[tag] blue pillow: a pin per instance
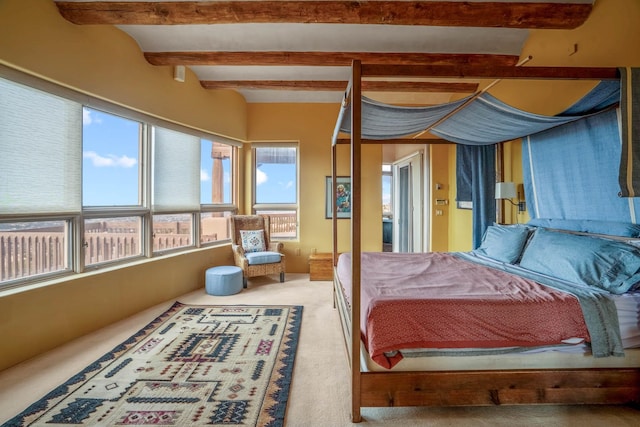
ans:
(504, 243)
(606, 264)
(612, 228)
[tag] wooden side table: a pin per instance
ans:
(321, 266)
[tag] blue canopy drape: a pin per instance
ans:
(483, 121)
(383, 121)
(589, 152)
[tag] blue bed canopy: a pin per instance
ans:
(592, 143)
(484, 120)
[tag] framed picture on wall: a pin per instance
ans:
(342, 197)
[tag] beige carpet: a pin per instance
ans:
(320, 394)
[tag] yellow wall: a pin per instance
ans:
(34, 321)
(439, 170)
(513, 173)
(105, 62)
(311, 125)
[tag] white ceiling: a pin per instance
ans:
(321, 38)
(315, 37)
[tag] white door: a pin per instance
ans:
(408, 204)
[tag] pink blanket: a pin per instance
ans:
(436, 300)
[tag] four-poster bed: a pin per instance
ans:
(463, 383)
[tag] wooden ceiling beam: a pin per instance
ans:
(492, 72)
(438, 13)
(337, 85)
(325, 58)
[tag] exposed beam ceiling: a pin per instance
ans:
(300, 51)
(435, 13)
(336, 85)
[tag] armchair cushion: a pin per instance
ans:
(255, 258)
(253, 240)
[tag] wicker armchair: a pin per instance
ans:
(256, 262)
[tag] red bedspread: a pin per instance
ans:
(437, 300)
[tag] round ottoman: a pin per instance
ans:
(223, 280)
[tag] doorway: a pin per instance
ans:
(408, 204)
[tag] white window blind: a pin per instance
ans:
(176, 171)
(40, 150)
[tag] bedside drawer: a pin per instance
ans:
(320, 266)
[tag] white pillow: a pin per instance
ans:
(253, 240)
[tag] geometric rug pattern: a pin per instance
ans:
(194, 365)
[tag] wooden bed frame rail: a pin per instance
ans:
(513, 387)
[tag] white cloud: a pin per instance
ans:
(261, 177)
(111, 160)
(87, 118)
(288, 184)
(204, 175)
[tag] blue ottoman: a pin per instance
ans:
(223, 280)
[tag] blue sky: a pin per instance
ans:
(110, 160)
(111, 166)
(276, 183)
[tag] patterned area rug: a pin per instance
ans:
(192, 366)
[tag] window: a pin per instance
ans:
(172, 231)
(111, 185)
(387, 211)
(33, 248)
(176, 187)
(88, 186)
(112, 238)
(276, 187)
(40, 181)
(216, 190)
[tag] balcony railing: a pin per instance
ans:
(25, 254)
(283, 225)
(34, 252)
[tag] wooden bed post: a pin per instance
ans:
(334, 217)
(356, 215)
